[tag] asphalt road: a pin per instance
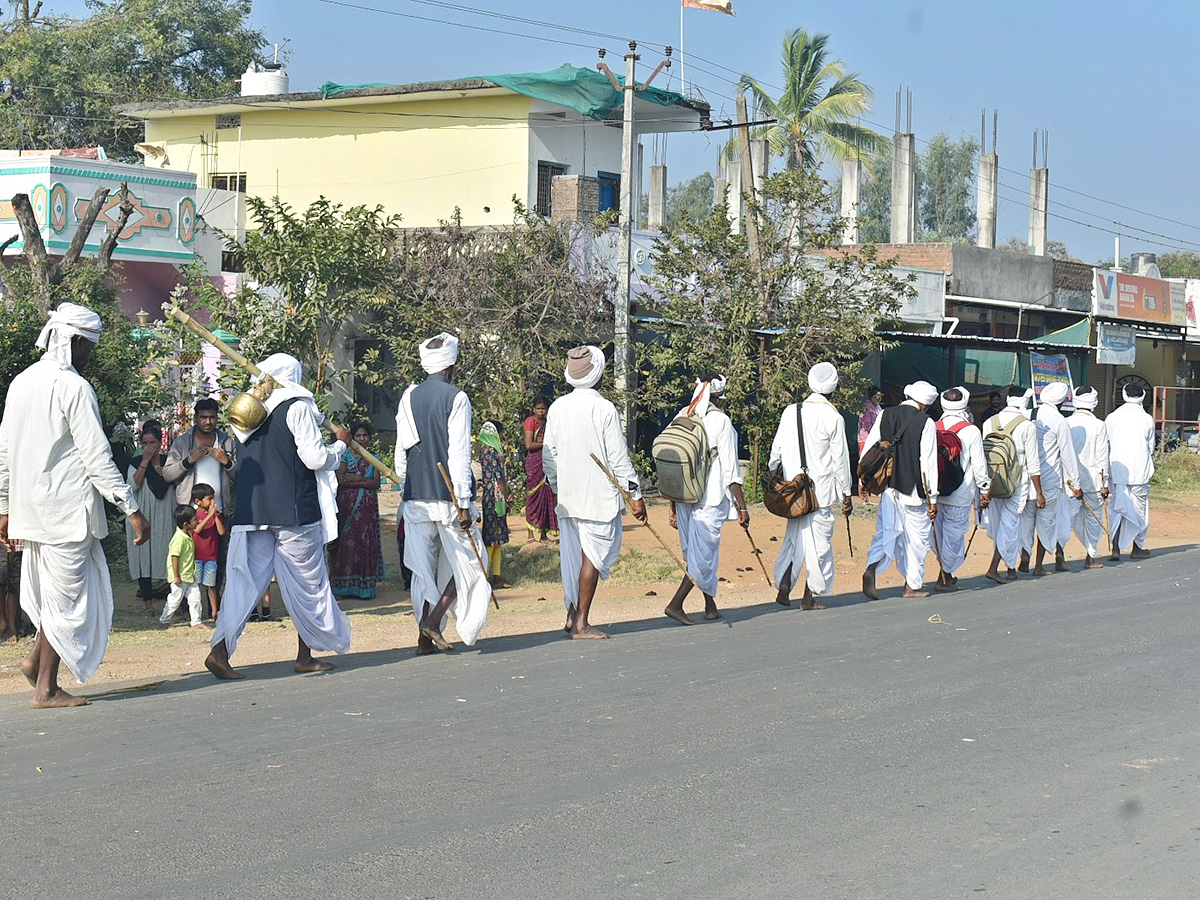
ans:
(1039, 741)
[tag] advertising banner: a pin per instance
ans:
(1116, 345)
(1191, 292)
(1118, 295)
(1046, 368)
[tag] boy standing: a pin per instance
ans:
(181, 568)
(207, 540)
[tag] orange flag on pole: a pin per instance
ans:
(721, 6)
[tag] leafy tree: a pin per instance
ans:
(1179, 264)
(875, 200)
(815, 113)
(689, 202)
(62, 77)
(762, 322)
(946, 179)
(1054, 249)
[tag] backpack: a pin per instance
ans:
(682, 458)
(1003, 462)
(949, 457)
(877, 465)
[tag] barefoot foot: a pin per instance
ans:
(678, 615)
(222, 669)
(586, 633)
(914, 595)
(435, 637)
(311, 665)
(869, 586)
(712, 614)
(945, 588)
(1092, 564)
(58, 700)
(1039, 572)
(994, 576)
(813, 604)
(30, 671)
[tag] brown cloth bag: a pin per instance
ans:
(794, 498)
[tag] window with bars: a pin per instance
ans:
(228, 182)
(546, 172)
(230, 120)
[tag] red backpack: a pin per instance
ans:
(949, 457)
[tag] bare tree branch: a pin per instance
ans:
(35, 249)
(109, 244)
(81, 233)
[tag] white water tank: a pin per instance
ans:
(265, 80)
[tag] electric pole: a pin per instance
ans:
(622, 355)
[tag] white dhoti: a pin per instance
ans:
(1041, 524)
(600, 542)
(296, 557)
(1086, 522)
(1002, 521)
(952, 525)
(1068, 511)
(700, 540)
(67, 594)
(808, 542)
(901, 534)
(1129, 514)
(437, 551)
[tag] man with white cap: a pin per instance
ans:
(1131, 453)
(433, 433)
(589, 508)
(55, 467)
(1090, 437)
(699, 524)
(1003, 517)
(1060, 468)
(808, 541)
(954, 509)
(909, 504)
(284, 516)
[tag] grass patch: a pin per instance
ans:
(1177, 473)
(525, 570)
(637, 566)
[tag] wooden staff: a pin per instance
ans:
(849, 539)
(1086, 505)
(758, 556)
(933, 527)
(470, 535)
(629, 502)
(187, 321)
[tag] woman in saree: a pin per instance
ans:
(540, 517)
(356, 558)
(156, 499)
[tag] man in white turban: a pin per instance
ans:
(1090, 438)
(1060, 471)
(811, 438)
(699, 524)
(909, 505)
(1131, 453)
(56, 468)
(578, 425)
(433, 435)
(284, 516)
(954, 509)
(1002, 518)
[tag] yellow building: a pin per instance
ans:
(422, 150)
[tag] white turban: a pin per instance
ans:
(719, 384)
(1019, 402)
(1125, 396)
(67, 321)
(439, 359)
(1054, 393)
(921, 392)
(1086, 398)
(585, 366)
(703, 394)
(959, 405)
(289, 385)
(823, 378)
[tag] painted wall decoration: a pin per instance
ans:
(187, 220)
(143, 215)
(39, 199)
(60, 203)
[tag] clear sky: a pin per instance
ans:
(1114, 84)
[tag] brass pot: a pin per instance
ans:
(246, 410)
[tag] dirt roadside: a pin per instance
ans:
(141, 652)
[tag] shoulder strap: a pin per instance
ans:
(800, 437)
(1012, 426)
(958, 426)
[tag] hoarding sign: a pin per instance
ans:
(1116, 345)
(1136, 298)
(1046, 368)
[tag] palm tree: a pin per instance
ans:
(816, 111)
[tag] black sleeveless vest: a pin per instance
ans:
(432, 401)
(274, 487)
(908, 422)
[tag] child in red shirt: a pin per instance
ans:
(207, 538)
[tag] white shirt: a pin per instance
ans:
(1131, 443)
(55, 462)
(1057, 448)
(824, 445)
(578, 425)
(458, 456)
(1024, 435)
(973, 461)
(1091, 446)
(208, 471)
(929, 468)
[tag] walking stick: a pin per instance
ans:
(849, 539)
(933, 528)
(629, 501)
(187, 321)
(1087, 506)
(470, 536)
(758, 556)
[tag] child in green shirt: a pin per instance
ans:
(181, 569)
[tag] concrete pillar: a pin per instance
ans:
(1039, 182)
(851, 185)
(989, 184)
(904, 188)
(733, 177)
(574, 198)
(637, 186)
(656, 213)
(760, 160)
